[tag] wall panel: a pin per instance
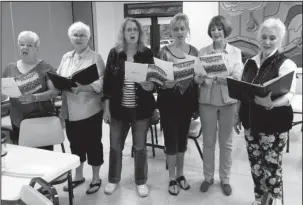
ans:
(50, 20)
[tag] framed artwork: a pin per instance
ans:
(246, 17)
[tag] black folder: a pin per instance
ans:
(84, 77)
(245, 91)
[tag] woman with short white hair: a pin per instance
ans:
(82, 107)
(36, 88)
(267, 120)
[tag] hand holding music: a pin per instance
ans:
(264, 101)
(169, 84)
(147, 86)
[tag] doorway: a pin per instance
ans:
(157, 30)
(155, 18)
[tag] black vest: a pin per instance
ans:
(256, 117)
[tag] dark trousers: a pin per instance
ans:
(15, 138)
(85, 139)
(175, 129)
(118, 133)
(265, 157)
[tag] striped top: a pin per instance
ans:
(128, 94)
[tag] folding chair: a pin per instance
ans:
(46, 131)
(30, 196)
(6, 125)
(297, 110)
(155, 119)
(195, 130)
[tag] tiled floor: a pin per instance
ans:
(158, 177)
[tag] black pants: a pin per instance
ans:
(85, 139)
(175, 129)
(15, 138)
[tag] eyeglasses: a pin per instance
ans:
(129, 30)
(79, 35)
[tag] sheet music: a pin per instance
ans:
(9, 87)
(135, 72)
(166, 66)
(214, 64)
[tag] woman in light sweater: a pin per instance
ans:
(82, 107)
(217, 109)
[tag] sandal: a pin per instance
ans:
(88, 191)
(74, 184)
(173, 183)
(182, 178)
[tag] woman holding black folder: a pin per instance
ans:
(266, 120)
(82, 107)
(128, 104)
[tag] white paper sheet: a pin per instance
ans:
(135, 72)
(10, 88)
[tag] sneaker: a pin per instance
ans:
(110, 188)
(256, 203)
(226, 188)
(142, 190)
(205, 185)
(277, 201)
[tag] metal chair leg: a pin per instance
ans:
(156, 133)
(287, 145)
(132, 152)
(70, 189)
(152, 139)
(199, 149)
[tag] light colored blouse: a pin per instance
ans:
(286, 67)
(83, 105)
(213, 92)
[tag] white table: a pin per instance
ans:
(47, 164)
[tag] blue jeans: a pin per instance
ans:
(118, 133)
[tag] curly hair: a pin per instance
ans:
(30, 34)
(79, 26)
(273, 23)
(121, 43)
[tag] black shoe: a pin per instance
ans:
(182, 178)
(174, 184)
(226, 188)
(205, 185)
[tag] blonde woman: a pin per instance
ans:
(128, 104)
(177, 104)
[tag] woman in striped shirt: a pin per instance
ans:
(127, 104)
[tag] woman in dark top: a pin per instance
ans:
(177, 103)
(30, 75)
(266, 120)
(128, 104)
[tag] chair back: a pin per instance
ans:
(41, 131)
(195, 128)
(31, 196)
